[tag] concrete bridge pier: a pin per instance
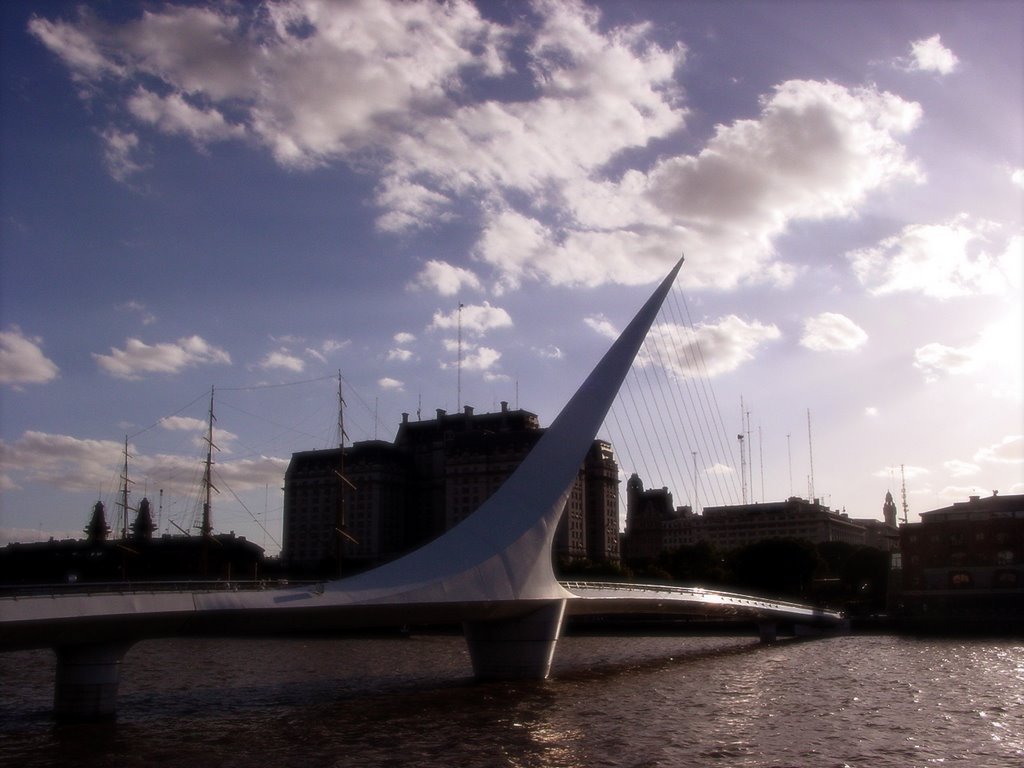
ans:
(516, 649)
(87, 680)
(768, 631)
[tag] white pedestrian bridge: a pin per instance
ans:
(492, 574)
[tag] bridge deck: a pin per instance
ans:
(593, 598)
(82, 614)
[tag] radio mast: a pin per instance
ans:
(810, 448)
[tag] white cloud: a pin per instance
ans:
(137, 307)
(719, 469)
(871, 412)
(1017, 177)
(907, 471)
(831, 332)
(1010, 450)
(475, 319)
(309, 80)
(409, 205)
(550, 352)
(120, 150)
(22, 360)
(222, 438)
(400, 355)
(76, 464)
(283, 358)
(958, 468)
(390, 384)
(474, 358)
(78, 46)
(930, 55)
(602, 325)
(404, 337)
(480, 359)
(174, 115)
(138, 358)
(710, 349)
(815, 152)
(992, 353)
(66, 462)
(935, 359)
(387, 88)
(962, 257)
(183, 424)
(330, 346)
(446, 279)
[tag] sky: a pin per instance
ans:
(253, 198)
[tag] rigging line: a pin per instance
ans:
(724, 444)
(255, 387)
(678, 400)
(662, 454)
(703, 364)
(373, 411)
(229, 406)
(670, 428)
(169, 416)
(634, 378)
(690, 373)
(222, 481)
(617, 434)
(670, 374)
(632, 428)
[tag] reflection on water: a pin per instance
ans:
(614, 701)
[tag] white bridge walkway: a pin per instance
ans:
(492, 573)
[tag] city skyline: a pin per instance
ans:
(460, 204)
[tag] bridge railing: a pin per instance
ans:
(18, 591)
(732, 597)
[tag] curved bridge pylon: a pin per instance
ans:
(492, 573)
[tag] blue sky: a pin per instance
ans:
(253, 197)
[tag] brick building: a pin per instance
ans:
(963, 565)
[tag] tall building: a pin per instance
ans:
(653, 525)
(377, 500)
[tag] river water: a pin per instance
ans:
(612, 701)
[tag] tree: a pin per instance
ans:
(776, 567)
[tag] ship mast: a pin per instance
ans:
(903, 492)
(340, 522)
(206, 526)
(124, 492)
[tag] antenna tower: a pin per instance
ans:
(760, 451)
(789, 453)
(743, 467)
(695, 495)
(810, 449)
(459, 377)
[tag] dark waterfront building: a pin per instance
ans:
(963, 566)
(377, 500)
(139, 557)
(653, 525)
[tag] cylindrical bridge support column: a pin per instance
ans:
(768, 631)
(518, 648)
(87, 680)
